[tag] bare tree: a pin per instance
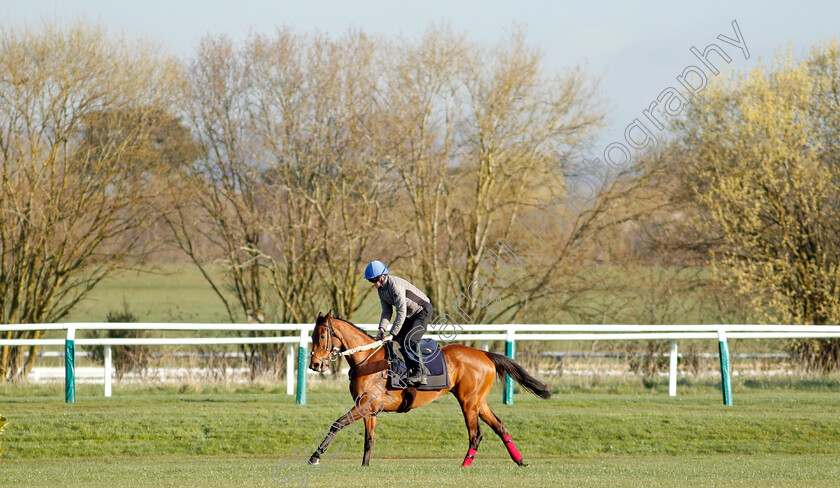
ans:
(71, 209)
(215, 197)
(475, 135)
(337, 147)
(422, 107)
(287, 196)
(521, 130)
(315, 109)
(218, 211)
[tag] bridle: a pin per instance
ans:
(330, 350)
(334, 352)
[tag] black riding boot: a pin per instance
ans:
(418, 373)
(415, 328)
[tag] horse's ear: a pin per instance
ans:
(320, 315)
(329, 314)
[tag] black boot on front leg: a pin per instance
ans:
(315, 459)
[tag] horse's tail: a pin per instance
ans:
(506, 365)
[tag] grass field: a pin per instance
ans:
(172, 293)
(177, 292)
(782, 434)
(595, 432)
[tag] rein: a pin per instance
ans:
(374, 344)
(335, 353)
(377, 344)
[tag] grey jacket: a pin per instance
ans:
(398, 293)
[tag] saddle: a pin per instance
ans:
(433, 360)
(394, 362)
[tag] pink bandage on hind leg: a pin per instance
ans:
(470, 456)
(511, 447)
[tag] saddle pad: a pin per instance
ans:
(433, 359)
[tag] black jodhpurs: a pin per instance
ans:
(411, 333)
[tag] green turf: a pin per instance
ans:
(608, 471)
(229, 437)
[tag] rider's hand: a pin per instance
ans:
(380, 334)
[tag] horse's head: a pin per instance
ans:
(324, 343)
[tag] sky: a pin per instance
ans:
(638, 48)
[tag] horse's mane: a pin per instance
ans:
(363, 331)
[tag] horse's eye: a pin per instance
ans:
(323, 336)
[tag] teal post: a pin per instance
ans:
(70, 366)
(725, 369)
(510, 351)
(300, 398)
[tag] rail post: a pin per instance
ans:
(70, 366)
(290, 369)
(108, 367)
(300, 398)
(725, 370)
(510, 351)
(672, 371)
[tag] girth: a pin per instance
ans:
(409, 394)
(368, 368)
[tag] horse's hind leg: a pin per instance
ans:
(471, 418)
(498, 427)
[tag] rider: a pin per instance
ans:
(414, 310)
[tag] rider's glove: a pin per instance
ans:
(380, 334)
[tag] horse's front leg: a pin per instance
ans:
(351, 416)
(370, 426)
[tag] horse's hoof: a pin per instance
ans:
(314, 460)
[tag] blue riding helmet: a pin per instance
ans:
(374, 269)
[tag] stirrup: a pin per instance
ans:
(418, 378)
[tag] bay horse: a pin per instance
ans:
(471, 375)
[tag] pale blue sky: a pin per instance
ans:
(637, 47)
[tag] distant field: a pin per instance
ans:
(175, 293)
(179, 293)
(775, 435)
